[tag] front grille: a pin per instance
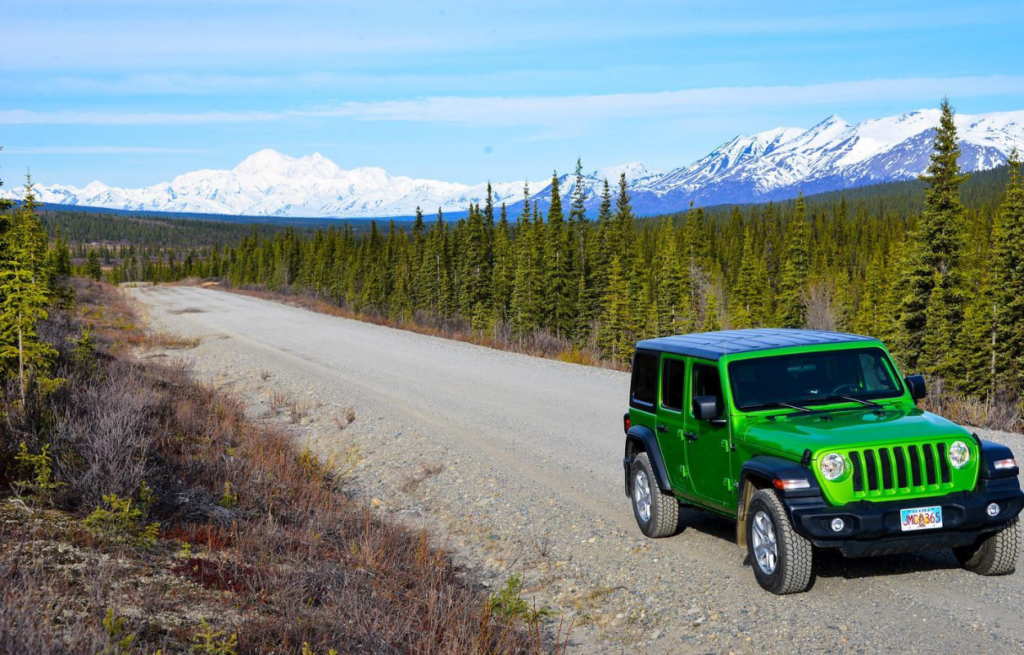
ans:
(899, 469)
(869, 463)
(929, 462)
(858, 473)
(883, 457)
(944, 463)
(915, 466)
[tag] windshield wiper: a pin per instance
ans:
(853, 399)
(799, 408)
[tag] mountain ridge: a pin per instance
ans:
(770, 165)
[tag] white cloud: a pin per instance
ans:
(565, 110)
(98, 150)
(29, 117)
(559, 112)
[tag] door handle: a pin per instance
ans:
(662, 428)
(692, 436)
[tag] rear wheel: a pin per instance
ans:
(782, 560)
(993, 554)
(656, 513)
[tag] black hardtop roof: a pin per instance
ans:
(713, 345)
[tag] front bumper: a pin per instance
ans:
(874, 528)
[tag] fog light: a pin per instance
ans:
(838, 525)
(992, 509)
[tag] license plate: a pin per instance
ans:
(921, 518)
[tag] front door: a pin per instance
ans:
(708, 449)
(671, 422)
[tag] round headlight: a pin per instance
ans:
(832, 466)
(959, 454)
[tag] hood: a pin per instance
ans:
(794, 433)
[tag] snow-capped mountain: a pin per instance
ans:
(769, 165)
(831, 155)
(269, 183)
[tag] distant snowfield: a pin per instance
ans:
(770, 165)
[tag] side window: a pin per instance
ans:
(707, 382)
(645, 380)
(673, 373)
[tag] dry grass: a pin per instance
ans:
(999, 413)
(291, 560)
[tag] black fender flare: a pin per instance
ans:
(763, 471)
(641, 439)
(768, 468)
(992, 452)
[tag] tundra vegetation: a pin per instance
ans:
(934, 268)
(141, 512)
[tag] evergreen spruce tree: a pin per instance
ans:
(61, 255)
(671, 287)
(746, 308)
(793, 283)
(1008, 270)
(930, 325)
(25, 294)
(607, 244)
(93, 269)
(712, 322)
(581, 299)
(419, 290)
(975, 348)
(478, 275)
(503, 273)
(559, 314)
(524, 302)
(874, 314)
(614, 332)
(624, 229)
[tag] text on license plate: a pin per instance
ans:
(921, 518)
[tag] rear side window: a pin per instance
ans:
(673, 373)
(645, 380)
(707, 382)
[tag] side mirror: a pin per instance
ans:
(916, 386)
(705, 408)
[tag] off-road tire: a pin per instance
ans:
(794, 570)
(664, 511)
(994, 553)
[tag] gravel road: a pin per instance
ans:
(531, 484)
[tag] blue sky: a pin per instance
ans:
(133, 93)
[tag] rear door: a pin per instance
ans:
(708, 450)
(672, 421)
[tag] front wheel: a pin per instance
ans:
(993, 554)
(782, 560)
(656, 513)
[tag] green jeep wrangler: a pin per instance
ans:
(811, 440)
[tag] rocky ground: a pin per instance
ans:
(516, 461)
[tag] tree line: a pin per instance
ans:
(943, 286)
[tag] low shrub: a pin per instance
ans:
(118, 521)
(210, 514)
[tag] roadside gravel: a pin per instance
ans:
(517, 462)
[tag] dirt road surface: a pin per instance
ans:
(516, 461)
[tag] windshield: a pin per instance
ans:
(814, 377)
